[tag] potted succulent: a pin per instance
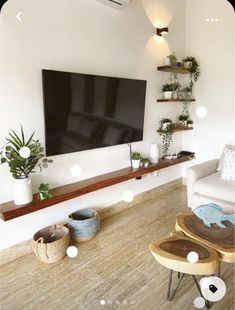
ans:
(190, 123)
(23, 156)
(145, 162)
(167, 90)
(183, 119)
(166, 132)
(135, 160)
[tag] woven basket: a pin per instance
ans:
(84, 224)
(50, 243)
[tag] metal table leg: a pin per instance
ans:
(170, 294)
(200, 292)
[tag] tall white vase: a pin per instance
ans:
(154, 153)
(22, 191)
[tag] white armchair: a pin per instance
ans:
(204, 185)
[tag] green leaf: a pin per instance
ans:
(50, 161)
(45, 160)
(22, 134)
(17, 138)
(30, 139)
(3, 160)
(45, 166)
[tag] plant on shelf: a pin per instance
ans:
(194, 69)
(169, 88)
(145, 162)
(23, 156)
(166, 130)
(44, 191)
(190, 123)
(183, 119)
(135, 160)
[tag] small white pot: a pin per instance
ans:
(22, 191)
(146, 165)
(190, 125)
(175, 95)
(187, 64)
(165, 125)
(135, 163)
(167, 94)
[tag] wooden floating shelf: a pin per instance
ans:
(178, 128)
(181, 70)
(9, 210)
(174, 100)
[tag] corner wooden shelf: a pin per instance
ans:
(174, 100)
(181, 70)
(9, 210)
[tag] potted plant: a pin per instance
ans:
(166, 132)
(193, 67)
(145, 162)
(183, 119)
(176, 88)
(44, 191)
(167, 90)
(23, 156)
(190, 123)
(135, 160)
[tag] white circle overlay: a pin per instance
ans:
(199, 302)
(72, 251)
(192, 257)
(128, 196)
(75, 170)
(201, 112)
(213, 288)
(24, 152)
(102, 302)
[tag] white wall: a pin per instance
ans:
(81, 36)
(213, 44)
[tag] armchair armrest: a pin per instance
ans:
(197, 172)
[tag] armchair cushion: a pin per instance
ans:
(213, 186)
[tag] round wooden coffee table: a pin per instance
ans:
(172, 253)
(222, 240)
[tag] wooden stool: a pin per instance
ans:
(172, 253)
(222, 240)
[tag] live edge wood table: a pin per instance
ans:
(172, 253)
(222, 240)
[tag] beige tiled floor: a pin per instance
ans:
(115, 266)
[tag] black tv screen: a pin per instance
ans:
(85, 111)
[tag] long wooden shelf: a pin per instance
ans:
(9, 210)
(181, 70)
(174, 100)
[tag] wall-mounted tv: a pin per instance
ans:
(84, 111)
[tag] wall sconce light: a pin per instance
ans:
(162, 31)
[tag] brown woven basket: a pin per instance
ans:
(50, 243)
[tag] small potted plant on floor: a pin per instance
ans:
(145, 162)
(167, 90)
(135, 160)
(23, 156)
(183, 119)
(190, 123)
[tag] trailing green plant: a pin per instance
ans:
(23, 155)
(135, 156)
(166, 130)
(194, 69)
(44, 191)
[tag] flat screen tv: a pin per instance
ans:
(84, 111)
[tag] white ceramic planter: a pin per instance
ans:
(135, 163)
(175, 95)
(22, 191)
(190, 125)
(154, 153)
(167, 94)
(146, 165)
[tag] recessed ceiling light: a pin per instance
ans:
(216, 19)
(208, 19)
(212, 19)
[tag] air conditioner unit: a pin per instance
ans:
(116, 4)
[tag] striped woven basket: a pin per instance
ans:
(50, 243)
